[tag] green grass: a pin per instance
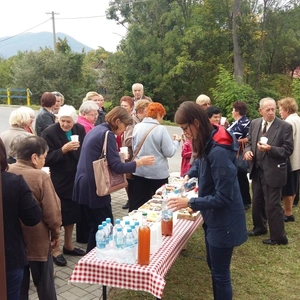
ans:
(258, 271)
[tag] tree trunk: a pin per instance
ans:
(237, 55)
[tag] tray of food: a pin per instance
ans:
(188, 214)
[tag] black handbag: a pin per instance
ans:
(242, 165)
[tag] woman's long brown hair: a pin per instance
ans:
(187, 113)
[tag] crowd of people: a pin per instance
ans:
(67, 144)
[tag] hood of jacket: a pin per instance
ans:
(221, 137)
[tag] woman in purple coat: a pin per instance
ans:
(97, 208)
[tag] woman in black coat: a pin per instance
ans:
(18, 204)
(62, 158)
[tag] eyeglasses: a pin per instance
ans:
(184, 129)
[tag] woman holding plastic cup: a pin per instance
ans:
(64, 139)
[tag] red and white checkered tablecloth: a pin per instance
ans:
(133, 276)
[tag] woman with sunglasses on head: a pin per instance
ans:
(219, 198)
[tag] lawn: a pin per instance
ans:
(258, 271)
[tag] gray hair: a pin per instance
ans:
(19, 118)
(14, 144)
(202, 99)
(67, 111)
(87, 106)
(137, 84)
(263, 100)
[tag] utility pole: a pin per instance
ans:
(53, 25)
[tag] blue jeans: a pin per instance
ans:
(13, 283)
(218, 260)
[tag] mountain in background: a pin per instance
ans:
(34, 41)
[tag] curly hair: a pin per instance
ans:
(154, 109)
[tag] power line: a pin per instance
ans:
(25, 31)
(75, 18)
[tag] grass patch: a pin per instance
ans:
(258, 271)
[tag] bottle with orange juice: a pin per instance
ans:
(144, 242)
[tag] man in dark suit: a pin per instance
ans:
(268, 170)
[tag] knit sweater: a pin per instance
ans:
(158, 143)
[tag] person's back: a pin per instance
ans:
(18, 204)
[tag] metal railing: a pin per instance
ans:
(9, 94)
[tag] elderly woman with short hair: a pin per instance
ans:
(88, 115)
(288, 110)
(62, 158)
(99, 100)
(19, 120)
(60, 99)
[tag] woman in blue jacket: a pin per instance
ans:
(219, 198)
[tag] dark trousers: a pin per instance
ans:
(82, 228)
(96, 216)
(13, 283)
(244, 187)
(143, 190)
(43, 279)
(218, 260)
(266, 207)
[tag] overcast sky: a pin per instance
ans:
(19, 16)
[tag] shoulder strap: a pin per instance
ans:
(104, 148)
(142, 142)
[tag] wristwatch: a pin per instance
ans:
(189, 204)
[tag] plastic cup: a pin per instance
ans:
(124, 150)
(263, 139)
(223, 120)
(75, 138)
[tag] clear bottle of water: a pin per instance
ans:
(100, 238)
(116, 226)
(126, 226)
(110, 228)
(129, 239)
(106, 231)
(119, 238)
(135, 234)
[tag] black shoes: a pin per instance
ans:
(74, 252)
(290, 218)
(126, 206)
(274, 242)
(59, 260)
(257, 232)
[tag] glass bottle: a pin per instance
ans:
(166, 218)
(144, 242)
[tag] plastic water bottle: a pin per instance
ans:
(129, 239)
(119, 238)
(106, 232)
(126, 226)
(135, 234)
(116, 226)
(110, 228)
(100, 238)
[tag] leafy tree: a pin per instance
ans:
(228, 90)
(296, 90)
